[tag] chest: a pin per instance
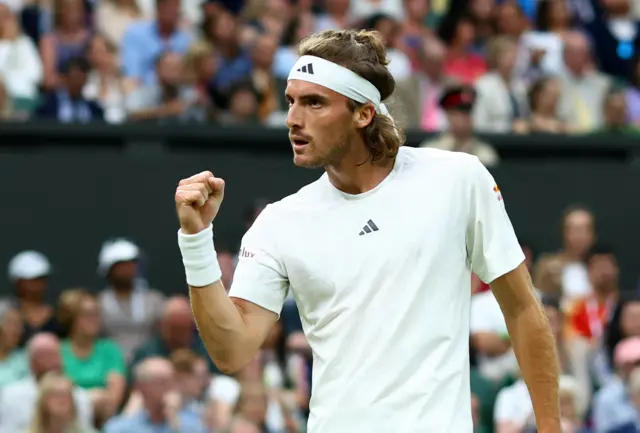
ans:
(346, 254)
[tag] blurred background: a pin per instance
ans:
(106, 104)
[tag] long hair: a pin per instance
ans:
(40, 417)
(364, 53)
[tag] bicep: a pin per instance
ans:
(258, 320)
(514, 291)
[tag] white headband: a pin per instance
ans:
(339, 79)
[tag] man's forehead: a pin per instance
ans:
(300, 88)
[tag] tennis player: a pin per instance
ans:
(378, 254)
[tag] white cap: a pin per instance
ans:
(28, 265)
(119, 250)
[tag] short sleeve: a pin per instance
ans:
(114, 356)
(260, 276)
(492, 245)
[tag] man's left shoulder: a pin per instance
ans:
(456, 163)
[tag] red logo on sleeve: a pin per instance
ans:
(497, 191)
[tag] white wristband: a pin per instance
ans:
(199, 257)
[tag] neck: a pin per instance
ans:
(123, 290)
(165, 30)
(56, 425)
(356, 174)
(28, 304)
(156, 414)
(505, 75)
(81, 342)
(457, 50)
(4, 352)
(603, 294)
(461, 139)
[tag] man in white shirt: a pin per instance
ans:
(378, 254)
(18, 400)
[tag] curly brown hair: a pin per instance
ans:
(363, 52)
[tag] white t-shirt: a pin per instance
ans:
(382, 283)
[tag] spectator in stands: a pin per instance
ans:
(335, 16)
(130, 310)
(286, 56)
(399, 63)
(361, 9)
(482, 13)
(271, 89)
(584, 88)
(13, 361)
(68, 40)
(612, 405)
(632, 94)
(192, 379)
(235, 63)
(573, 353)
(462, 63)
(490, 339)
(104, 83)
(253, 404)
(458, 102)
(93, 363)
(168, 99)
(615, 116)
(55, 408)
(145, 42)
(564, 273)
(155, 382)
(67, 104)
(544, 97)
(201, 67)
(634, 392)
(244, 101)
(414, 32)
(419, 95)
(20, 64)
(29, 272)
(510, 19)
(501, 96)
(624, 323)
(113, 18)
(18, 400)
(589, 316)
(540, 51)
(227, 262)
(177, 331)
(616, 38)
(264, 17)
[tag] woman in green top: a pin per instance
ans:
(93, 363)
(13, 362)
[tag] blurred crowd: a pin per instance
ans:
(127, 358)
(548, 66)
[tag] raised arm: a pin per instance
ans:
(232, 329)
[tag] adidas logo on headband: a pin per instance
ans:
(307, 69)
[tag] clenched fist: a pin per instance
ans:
(198, 200)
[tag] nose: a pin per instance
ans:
(295, 117)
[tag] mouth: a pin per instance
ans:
(299, 141)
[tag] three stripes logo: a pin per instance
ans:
(307, 69)
(369, 227)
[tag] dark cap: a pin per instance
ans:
(458, 98)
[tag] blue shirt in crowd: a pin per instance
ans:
(612, 408)
(141, 46)
(141, 423)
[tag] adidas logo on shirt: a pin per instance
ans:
(369, 227)
(306, 69)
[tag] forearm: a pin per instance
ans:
(535, 349)
(222, 327)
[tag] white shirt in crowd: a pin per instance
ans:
(514, 405)
(20, 67)
(18, 403)
(382, 283)
(486, 316)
